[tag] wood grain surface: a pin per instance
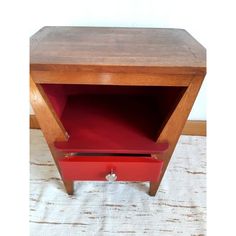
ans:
(102, 208)
(114, 49)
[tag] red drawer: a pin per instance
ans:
(98, 167)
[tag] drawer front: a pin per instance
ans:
(99, 168)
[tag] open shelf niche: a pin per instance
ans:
(112, 119)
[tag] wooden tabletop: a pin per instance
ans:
(116, 49)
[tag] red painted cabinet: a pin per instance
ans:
(110, 132)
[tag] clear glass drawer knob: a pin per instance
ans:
(111, 177)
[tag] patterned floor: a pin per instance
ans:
(101, 208)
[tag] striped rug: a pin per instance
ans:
(121, 208)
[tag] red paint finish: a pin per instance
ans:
(144, 148)
(57, 97)
(96, 168)
(111, 124)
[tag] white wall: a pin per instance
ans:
(187, 14)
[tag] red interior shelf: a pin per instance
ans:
(111, 124)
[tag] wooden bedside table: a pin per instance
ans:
(112, 102)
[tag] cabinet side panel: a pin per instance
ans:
(50, 124)
(175, 124)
